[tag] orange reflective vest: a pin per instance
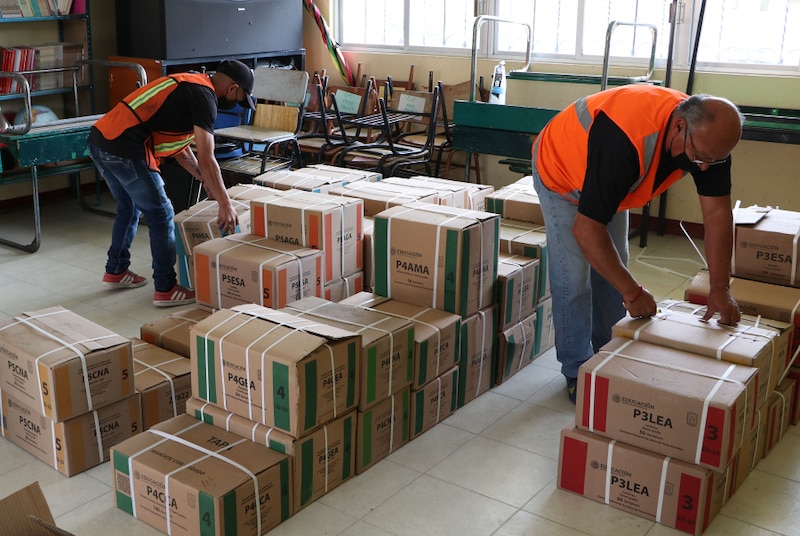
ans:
(140, 106)
(641, 111)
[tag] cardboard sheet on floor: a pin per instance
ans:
(26, 513)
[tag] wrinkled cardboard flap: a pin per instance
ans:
(26, 513)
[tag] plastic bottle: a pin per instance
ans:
(498, 93)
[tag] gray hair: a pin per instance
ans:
(695, 111)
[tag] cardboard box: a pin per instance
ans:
(341, 289)
(765, 250)
(277, 369)
(162, 380)
(744, 345)
(750, 453)
(248, 192)
(323, 458)
(198, 223)
(671, 402)
(517, 292)
(317, 221)
(477, 361)
(62, 364)
(245, 268)
(379, 196)
(670, 492)
(436, 334)
(784, 332)
(442, 257)
(779, 412)
(754, 298)
(528, 240)
(369, 255)
(387, 352)
(318, 178)
(172, 331)
(26, 513)
(69, 446)
(452, 193)
(382, 429)
(517, 201)
(434, 402)
(516, 348)
(184, 476)
(298, 180)
(545, 332)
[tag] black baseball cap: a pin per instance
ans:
(242, 75)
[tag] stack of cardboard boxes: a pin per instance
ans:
(674, 413)
(67, 388)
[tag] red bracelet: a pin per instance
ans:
(638, 295)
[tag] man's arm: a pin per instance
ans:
(206, 169)
(599, 250)
(718, 224)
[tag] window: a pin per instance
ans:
(735, 33)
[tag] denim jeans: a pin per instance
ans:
(585, 306)
(138, 190)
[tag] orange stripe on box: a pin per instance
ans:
(282, 288)
(573, 465)
(320, 280)
(332, 246)
(267, 290)
(258, 224)
(202, 280)
(359, 242)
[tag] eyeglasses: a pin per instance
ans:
(694, 152)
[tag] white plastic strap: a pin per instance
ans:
(706, 402)
(593, 380)
(391, 427)
(437, 256)
(438, 397)
(662, 484)
(325, 433)
(793, 279)
(609, 461)
(169, 378)
(524, 347)
(482, 314)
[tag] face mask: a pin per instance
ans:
(682, 161)
(224, 104)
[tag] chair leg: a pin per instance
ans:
(477, 168)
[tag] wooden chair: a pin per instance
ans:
(408, 110)
(280, 108)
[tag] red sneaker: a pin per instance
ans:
(126, 279)
(178, 295)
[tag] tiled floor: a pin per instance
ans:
(487, 470)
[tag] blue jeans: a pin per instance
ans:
(138, 190)
(585, 306)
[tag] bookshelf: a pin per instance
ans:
(51, 39)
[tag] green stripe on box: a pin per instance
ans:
(466, 271)
(509, 301)
(280, 390)
(311, 394)
(509, 356)
(537, 330)
(306, 490)
(230, 524)
(203, 416)
(352, 374)
(286, 496)
(495, 205)
(457, 343)
(206, 379)
(372, 374)
(380, 241)
(537, 274)
(206, 514)
(450, 266)
(423, 362)
(454, 391)
(347, 455)
(410, 355)
(405, 409)
(543, 273)
(418, 417)
(366, 441)
(276, 445)
(124, 501)
(496, 248)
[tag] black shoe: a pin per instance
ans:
(572, 389)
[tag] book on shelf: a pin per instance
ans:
(9, 9)
(26, 8)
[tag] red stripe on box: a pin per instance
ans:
(711, 450)
(573, 465)
(600, 402)
(688, 503)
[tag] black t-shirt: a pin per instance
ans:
(188, 105)
(613, 167)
